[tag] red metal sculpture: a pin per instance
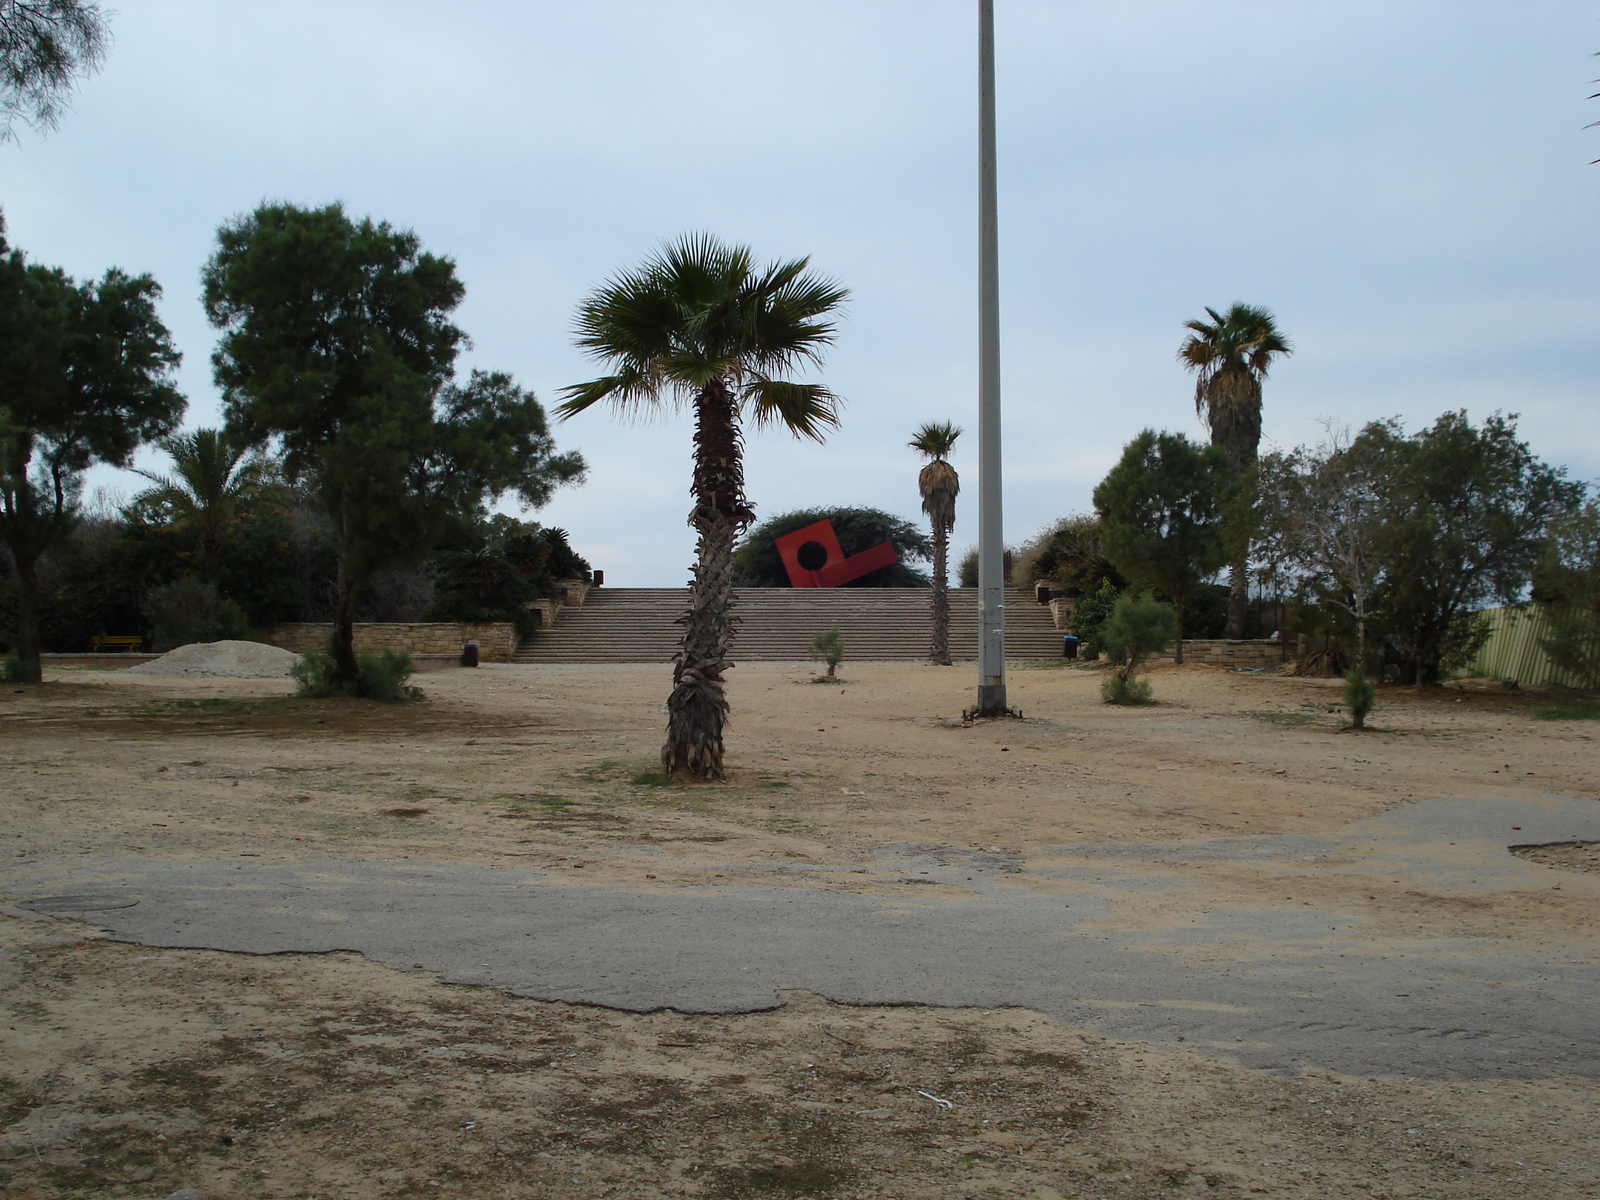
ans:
(832, 567)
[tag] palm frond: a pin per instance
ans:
(804, 409)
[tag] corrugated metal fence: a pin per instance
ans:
(1513, 650)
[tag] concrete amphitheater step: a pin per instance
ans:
(777, 625)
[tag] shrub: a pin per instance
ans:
(828, 647)
(1137, 628)
(191, 610)
(1360, 694)
(1117, 689)
(316, 675)
(383, 677)
(11, 669)
(1094, 609)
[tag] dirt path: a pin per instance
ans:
(308, 1075)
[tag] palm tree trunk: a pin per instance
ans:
(939, 652)
(697, 710)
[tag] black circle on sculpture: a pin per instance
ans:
(813, 556)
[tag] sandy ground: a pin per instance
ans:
(132, 1071)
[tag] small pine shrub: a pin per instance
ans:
(383, 677)
(1117, 688)
(1360, 694)
(828, 648)
(316, 675)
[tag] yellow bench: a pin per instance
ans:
(116, 641)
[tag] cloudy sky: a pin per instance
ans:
(1406, 185)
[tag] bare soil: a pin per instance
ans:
(131, 1071)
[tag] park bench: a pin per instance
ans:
(122, 642)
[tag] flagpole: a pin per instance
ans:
(991, 530)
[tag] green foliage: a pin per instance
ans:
(1117, 688)
(86, 376)
(1138, 628)
(491, 569)
(317, 676)
(383, 677)
(11, 669)
(1463, 520)
(756, 562)
(968, 571)
(191, 610)
(828, 648)
(1567, 581)
(336, 342)
(1160, 511)
(1360, 694)
(1570, 710)
(1069, 554)
(45, 47)
(1093, 611)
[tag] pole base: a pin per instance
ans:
(991, 703)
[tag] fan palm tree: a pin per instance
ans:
(699, 323)
(215, 480)
(939, 484)
(1230, 357)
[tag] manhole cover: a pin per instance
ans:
(77, 903)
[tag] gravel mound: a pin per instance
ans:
(245, 660)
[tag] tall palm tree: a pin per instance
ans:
(939, 484)
(215, 479)
(1230, 357)
(700, 323)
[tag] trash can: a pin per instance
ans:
(1042, 593)
(1069, 647)
(469, 654)
(598, 578)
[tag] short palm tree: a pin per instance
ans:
(1230, 357)
(939, 484)
(215, 480)
(700, 323)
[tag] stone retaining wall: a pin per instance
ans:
(1222, 652)
(496, 642)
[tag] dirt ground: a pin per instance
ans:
(132, 1071)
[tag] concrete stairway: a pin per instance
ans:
(637, 625)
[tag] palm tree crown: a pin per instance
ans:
(699, 313)
(215, 479)
(700, 323)
(1230, 357)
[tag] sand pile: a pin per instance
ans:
(245, 660)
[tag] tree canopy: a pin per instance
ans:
(1160, 511)
(336, 342)
(45, 47)
(756, 562)
(86, 376)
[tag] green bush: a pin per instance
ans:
(1116, 688)
(828, 647)
(383, 677)
(1094, 609)
(1137, 628)
(11, 669)
(191, 610)
(1360, 694)
(316, 675)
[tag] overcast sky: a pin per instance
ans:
(1406, 185)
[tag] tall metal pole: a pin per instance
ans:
(991, 533)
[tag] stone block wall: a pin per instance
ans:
(496, 642)
(1222, 652)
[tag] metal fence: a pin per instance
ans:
(1513, 650)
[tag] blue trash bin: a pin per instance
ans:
(1069, 647)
